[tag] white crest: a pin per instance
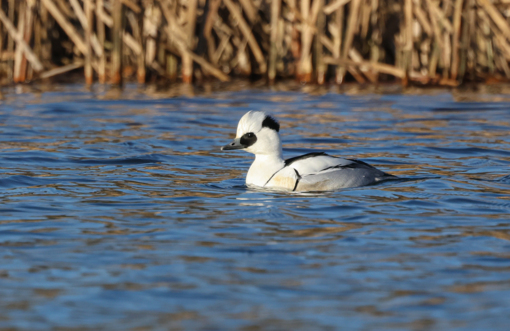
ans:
(250, 122)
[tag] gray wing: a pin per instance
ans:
(323, 172)
(314, 163)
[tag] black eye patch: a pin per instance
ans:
(248, 139)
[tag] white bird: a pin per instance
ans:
(257, 133)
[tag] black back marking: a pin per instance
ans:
(248, 139)
(272, 177)
(271, 123)
(297, 179)
(288, 162)
(358, 163)
(355, 164)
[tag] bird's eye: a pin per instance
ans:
(248, 139)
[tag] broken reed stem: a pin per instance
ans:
(456, 37)
(375, 49)
(408, 47)
(337, 31)
(10, 38)
(179, 42)
(65, 25)
(19, 48)
(116, 61)
(29, 21)
(15, 35)
(305, 62)
(351, 26)
(88, 42)
(436, 41)
(212, 13)
(136, 26)
(2, 65)
(321, 26)
(273, 52)
(187, 62)
(101, 36)
(245, 29)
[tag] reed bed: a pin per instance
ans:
(429, 42)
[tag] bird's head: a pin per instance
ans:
(257, 133)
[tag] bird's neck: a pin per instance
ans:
(264, 166)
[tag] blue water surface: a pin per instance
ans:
(118, 211)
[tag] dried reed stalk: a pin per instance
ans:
(408, 36)
(16, 36)
(212, 14)
(29, 28)
(65, 25)
(187, 62)
(321, 27)
(456, 37)
(379, 67)
(351, 28)
(138, 38)
(10, 37)
(18, 55)
(245, 29)
(305, 61)
(273, 53)
(117, 31)
(179, 41)
(418, 41)
(101, 36)
(336, 31)
(88, 42)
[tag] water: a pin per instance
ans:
(118, 211)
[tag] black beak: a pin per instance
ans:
(236, 144)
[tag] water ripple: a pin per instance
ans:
(119, 211)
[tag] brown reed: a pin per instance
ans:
(429, 42)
